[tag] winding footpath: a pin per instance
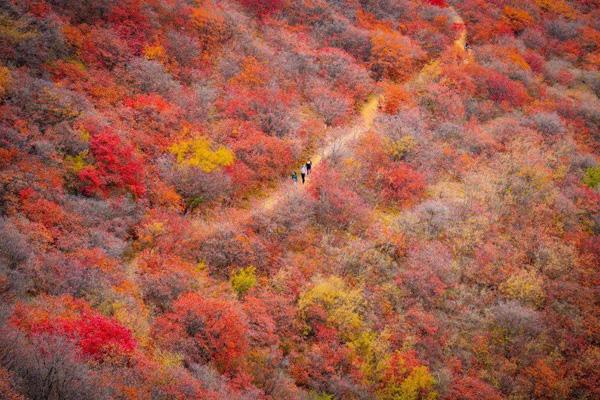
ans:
(362, 125)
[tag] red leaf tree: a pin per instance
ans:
(205, 330)
(95, 335)
(401, 184)
(116, 167)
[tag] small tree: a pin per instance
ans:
(525, 286)
(548, 123)
(116, 167)
(243, 280)
(592, 177)
(517, 18)
(342, 305)
(401, 184)
(394, 97)
(394, 56)
(198, 153)
(204, 330)
(336, 205)
(406, 379)
(14, 249)
(94, 335)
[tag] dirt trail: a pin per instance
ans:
(461, 41)
(433, 68)
(368, 113)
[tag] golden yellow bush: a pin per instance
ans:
(78, 162)
(525, 286)
(243, 280)
(517, 18)
(198, 153)
(343, 305)
(155, 52)
(408, 383)
(398, 149)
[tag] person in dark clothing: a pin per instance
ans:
(308, 167)
(303, 173)
(294, 177)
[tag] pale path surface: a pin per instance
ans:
(364, 123)
(432, 69)
(461, 41)
(368, 113)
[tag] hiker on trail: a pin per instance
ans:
(303, 173)
(294, 177)
(308, 167)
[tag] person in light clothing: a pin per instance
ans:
(303, 172)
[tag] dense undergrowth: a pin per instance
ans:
(452, 251)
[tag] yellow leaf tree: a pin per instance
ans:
(199, 153)
(406, 379)
(342, 304)
(525, 286)
(243, 280)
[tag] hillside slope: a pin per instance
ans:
(446, 244)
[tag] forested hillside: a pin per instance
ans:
(445, 244)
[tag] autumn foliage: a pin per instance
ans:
(401, 184)
(95, 335)
(204, 330)
(263, 7)
(154, 245)
(115, 167)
